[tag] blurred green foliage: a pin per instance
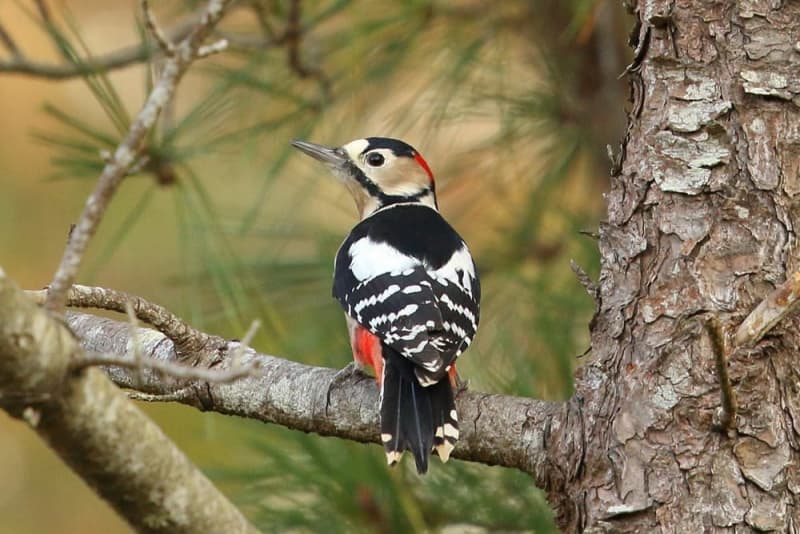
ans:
(511, 102)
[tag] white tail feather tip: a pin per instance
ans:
(392, 457)
(444, 450)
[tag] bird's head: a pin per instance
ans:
(377, 171)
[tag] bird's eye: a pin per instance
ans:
(375, 159)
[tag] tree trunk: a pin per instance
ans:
(700, 224)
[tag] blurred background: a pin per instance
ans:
(512, 103)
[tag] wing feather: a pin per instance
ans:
(427, 319)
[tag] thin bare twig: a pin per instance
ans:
(138, 357)
(8, 42)
(112, 61)
(263, 20)
(44, 11)
(186, 338)
(104, 63)
(174, 369)
(152, 26)
(584, 280)
(125, 154)
(213, 48)
(244, 344)
(235, 372)
(176, 396)
(769, 312)
(124, 57)
(171, 369)
(247, 42)
(727, 394)
(292, 37)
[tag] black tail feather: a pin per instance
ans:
(413, 417)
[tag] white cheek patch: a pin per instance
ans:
(368, 259)
(355, 148)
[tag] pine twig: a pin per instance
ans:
(172, 369)
(585, 280)
(44, 11)
(178, 395)
(155, 30)
(125, 154)
(121, 58)
(186, 338)
(214, 48)
(9, 42)
(769, 312)
(292, 38)
(175, 369)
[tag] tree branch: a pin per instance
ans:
(91, 424)
(104, 63)
(175, 67)
(186, 338)
(172, 369)
(496, 429)
(769, 312)
(8, 42)
(164, 42)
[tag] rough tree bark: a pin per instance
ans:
(701, 221)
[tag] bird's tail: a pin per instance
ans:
(415, 417)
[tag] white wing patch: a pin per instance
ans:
(369, 259)
(459, 261)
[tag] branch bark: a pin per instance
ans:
(187, 339)
(97, 431)
(498, 429)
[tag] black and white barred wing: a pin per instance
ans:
(460, 316)
(426, 319)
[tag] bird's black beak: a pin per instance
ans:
(330, 156)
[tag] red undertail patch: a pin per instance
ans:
(367, 351)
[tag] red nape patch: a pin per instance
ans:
(367, 351)
(424, 164)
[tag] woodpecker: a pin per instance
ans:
(409, 289)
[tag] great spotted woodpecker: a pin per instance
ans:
(409, 289)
